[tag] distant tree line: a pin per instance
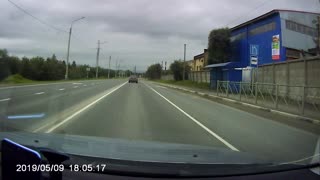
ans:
(154, 71)
(38, 68)
(176, 69)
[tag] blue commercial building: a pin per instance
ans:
(276, 36)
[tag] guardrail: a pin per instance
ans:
(301, 100)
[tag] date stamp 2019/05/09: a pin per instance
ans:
(39, 168)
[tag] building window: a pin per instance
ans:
(300, 28)
(238, 36)
(292, 53)
(263, 29)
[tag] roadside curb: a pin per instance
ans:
(309, 120)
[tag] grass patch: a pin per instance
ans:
(16, 79)
(186, 83)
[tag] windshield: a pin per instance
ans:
(239, 77)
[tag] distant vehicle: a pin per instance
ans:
(133, 78)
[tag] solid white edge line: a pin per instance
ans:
(38, 93)
(83, 109)
(62, 89)
(7, 99)
(196, 121)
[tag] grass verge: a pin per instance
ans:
(186, 83)
(17, 79)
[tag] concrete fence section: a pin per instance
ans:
(291, 72)
(199, 76)
(167, 77)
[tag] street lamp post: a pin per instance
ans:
(70, 31)
(97, 59)
(184, 62)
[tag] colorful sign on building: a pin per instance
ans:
(276, 47)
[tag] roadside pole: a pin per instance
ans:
(97, 59)
(109, 67)
(184, 63)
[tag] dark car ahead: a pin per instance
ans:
(133, 79)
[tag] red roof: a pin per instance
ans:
(269, 14)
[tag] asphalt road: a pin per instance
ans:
(145, 111)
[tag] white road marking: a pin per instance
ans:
(84, 85)
(75, 86)
(77, 83)
(38, 93)
(83, 109)
(62, 89)
(196, 121)
(10, 87)
(7, 99)
(162, 87)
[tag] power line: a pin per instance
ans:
(39, 20)
(45, 23)
(252, 10)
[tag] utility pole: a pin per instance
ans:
(135, 70)
(67, 63)
(116, 69)
(119, 69)
(68, 52)
(318, 42)
(184, 62)
(109, 67)
(97, 59)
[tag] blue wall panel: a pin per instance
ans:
(241, 47)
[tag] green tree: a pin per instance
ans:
(14, 65)
(73, 64)
(219, 47)
(177, 69)
(26, 68)
(54, 58)
(4, 64)
(3, 53)
(154, 71)
(37, 65)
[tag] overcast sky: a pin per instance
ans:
(138, 32)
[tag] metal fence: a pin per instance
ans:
(302, 100)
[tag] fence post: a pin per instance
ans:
(277, 95)
(303, 99)
(227, 88)
(256, 93)
(193, 76)
(206, 76)
(218, 87)
(240, 89)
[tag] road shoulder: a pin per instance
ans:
(306, 124)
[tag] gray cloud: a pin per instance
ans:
(139, 32)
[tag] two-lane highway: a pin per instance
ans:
(46, 102)
(146, 111)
